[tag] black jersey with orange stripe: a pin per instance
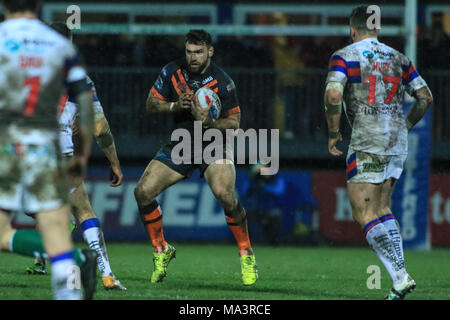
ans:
(175, 78)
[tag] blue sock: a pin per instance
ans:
(90, 223)
(68, 255)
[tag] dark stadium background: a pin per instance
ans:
(124, 67)
(306, 243)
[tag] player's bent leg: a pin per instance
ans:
(6, 231)
(221, 177)
(405, 285)
(387, 188)
(93, 235)
(24, 242)
(69, 266)
(365, 199)
(39, 264)
(54, 226)
(156, 178)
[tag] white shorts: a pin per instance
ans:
(365, 167)
(32, 178)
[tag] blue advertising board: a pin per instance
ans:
(410, 198)
(189, 208)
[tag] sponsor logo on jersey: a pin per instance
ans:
(368, 54)
(12, 45)
(386, 110)
(209, 79)
(384, 55)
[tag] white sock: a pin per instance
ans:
(394, 231)
(93, 235)
(379, 239)
(66, 281)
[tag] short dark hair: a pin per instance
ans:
(358, 19)
(21, 5)
(199, 37)
(62, 29)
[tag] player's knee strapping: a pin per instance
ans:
(151, 217)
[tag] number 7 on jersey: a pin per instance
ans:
(30, 105)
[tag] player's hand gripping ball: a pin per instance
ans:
(204, 97)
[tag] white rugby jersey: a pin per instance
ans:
(35, 62)
(68, 112)
(375, 78)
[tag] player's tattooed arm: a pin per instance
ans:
(333, 109)
(333, 98)
(105, 141)
(157, 105)
(86, 127)
(77, 165)
(423, 101)
(333, 106)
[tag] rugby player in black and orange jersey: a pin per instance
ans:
(172, 93)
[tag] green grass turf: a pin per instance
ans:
(213, 272)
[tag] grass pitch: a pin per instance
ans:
(212, 272)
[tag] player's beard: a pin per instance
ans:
(198, 69)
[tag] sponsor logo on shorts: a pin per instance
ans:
(373, 167)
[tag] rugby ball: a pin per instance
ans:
(203, 98)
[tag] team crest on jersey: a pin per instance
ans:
(194, 84)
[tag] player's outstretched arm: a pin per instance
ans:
(105, 141)
(333, 109)
(423, 101)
